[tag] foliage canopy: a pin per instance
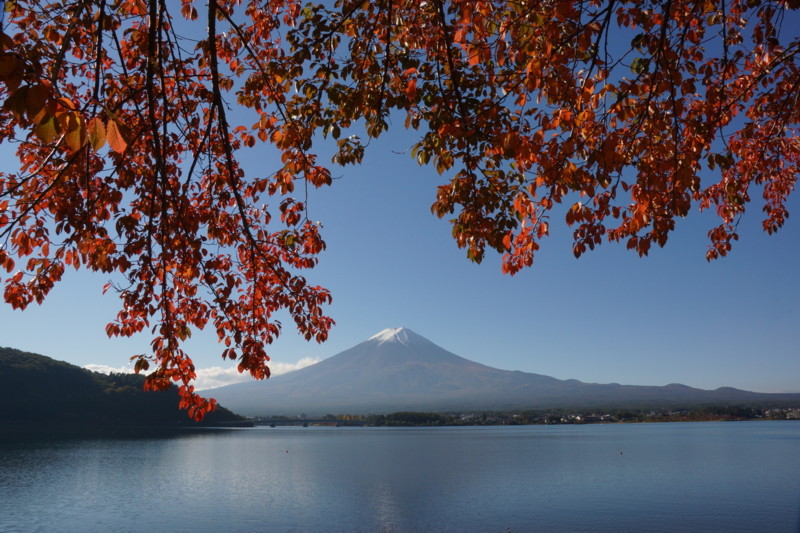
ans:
(617, 115)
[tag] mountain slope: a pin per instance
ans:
(398, 370)
(44, 394)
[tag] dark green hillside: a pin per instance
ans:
(37, 391)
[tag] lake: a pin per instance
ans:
(716, 476)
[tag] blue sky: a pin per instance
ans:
(607, 317)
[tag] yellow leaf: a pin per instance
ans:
(97, 133)
(76, 131)
(47, 129)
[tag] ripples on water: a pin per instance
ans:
(742, 476)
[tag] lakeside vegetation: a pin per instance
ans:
(510, 418)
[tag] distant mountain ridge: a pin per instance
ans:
(44, 395)
(400, 370)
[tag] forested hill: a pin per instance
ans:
(40, 392)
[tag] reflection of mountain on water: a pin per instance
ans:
(399, 370)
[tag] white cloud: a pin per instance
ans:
(279, 368)
(218, 376)
(105, 369)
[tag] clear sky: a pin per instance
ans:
(607, 317)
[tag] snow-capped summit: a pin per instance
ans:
(400, 335)
(399, 370)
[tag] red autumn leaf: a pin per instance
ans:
(411, 89)
(524, 108)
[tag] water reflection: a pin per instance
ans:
(447, 479)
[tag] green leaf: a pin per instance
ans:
(640, 65)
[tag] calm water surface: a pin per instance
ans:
(742, 476)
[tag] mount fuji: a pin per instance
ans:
(399, 370)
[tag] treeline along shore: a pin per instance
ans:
(495, 418)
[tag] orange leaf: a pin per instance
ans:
(411, 89)
(115, 138)
(66, 102)
(76, 132)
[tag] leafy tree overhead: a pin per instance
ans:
(128, 118)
